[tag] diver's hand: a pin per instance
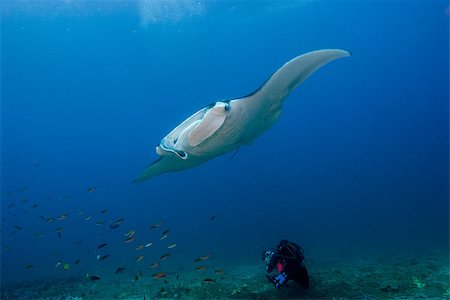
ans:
(279, 280)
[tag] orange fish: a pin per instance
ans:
(159, 275)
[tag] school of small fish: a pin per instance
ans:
(101, 250)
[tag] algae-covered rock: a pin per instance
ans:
(240, 288)
(417, 282)
(389, 285)
(390, 288)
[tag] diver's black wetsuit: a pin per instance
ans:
(290, 262)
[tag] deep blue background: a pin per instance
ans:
(358, 160)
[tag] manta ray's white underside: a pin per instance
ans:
(225, 125)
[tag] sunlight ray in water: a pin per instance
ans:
(169, 11)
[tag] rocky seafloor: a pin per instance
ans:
(400, 277)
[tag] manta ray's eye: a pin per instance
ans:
(227, 107)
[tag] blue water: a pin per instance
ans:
(358, 159)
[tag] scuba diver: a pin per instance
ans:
(290, 262)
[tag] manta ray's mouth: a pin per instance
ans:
(179, 153)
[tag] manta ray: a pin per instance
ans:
(224, 126)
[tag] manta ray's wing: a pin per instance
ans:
(264, 104)
(165, 164)
(157, 167)
(294, 72)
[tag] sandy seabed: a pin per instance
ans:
(400, 277)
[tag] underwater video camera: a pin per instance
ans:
(267, 256)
